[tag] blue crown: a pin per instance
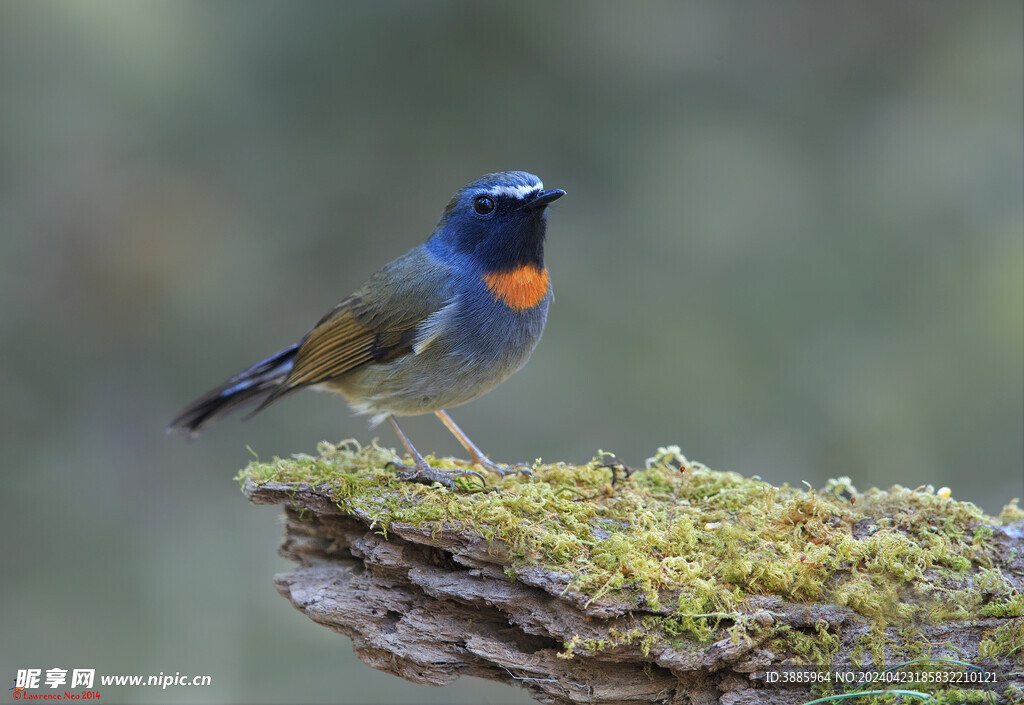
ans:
(509, 183)
(504, 237)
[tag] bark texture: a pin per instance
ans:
(432, 605)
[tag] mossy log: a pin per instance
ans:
(671, 584)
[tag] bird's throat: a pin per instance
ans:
(521, 288)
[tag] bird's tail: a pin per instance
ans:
(243, 389)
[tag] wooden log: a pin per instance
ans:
(673, 584)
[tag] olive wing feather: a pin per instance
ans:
(378, 323)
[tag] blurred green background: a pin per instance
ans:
(792, 245)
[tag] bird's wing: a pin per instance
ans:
(381, 321)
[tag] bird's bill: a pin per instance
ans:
(544, 198)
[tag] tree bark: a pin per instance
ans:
(433, 603)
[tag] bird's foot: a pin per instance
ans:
(429, 475)
(500, 470)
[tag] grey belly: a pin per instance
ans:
(451, 371)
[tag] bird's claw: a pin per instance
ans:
(500, 470)
(428, 475)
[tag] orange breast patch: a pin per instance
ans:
(520, 288)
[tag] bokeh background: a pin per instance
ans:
(792, 245)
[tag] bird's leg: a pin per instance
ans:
(477, 455)
(421, 471)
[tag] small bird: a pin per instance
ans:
(441, 325)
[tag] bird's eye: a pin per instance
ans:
(483, 205)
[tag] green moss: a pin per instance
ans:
(1005, 642)
(961, 696)
(1011, 512)
(690, 544)
(869, 648)
(814, 648)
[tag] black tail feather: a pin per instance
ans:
(243, 389)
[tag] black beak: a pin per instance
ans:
(544, 198)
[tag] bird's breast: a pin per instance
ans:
(521, 289)
(465, 349)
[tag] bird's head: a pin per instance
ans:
(498, 221)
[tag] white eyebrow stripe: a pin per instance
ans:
(515, 191)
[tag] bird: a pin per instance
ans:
(437, 327)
